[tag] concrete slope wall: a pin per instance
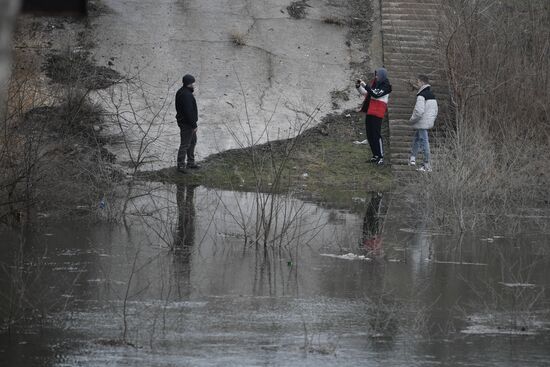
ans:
(8, 10)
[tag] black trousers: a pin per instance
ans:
(188, 141)
(373, 126)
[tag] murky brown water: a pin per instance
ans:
(334, 287)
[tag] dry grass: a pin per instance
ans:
(333, 20)
(238, 38)
(494, 164)
(297, 9)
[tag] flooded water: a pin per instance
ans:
(193, 279)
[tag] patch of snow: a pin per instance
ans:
(519, 285)
(421, 231)
(348, 256)
(459, 263)
(96, 280)
(482, 329)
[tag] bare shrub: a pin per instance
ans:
(275, 218)
(52, 154)
(493, 163)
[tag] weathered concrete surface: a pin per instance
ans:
(287, 67)
(8, 10)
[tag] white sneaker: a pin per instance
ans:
(412, 161)
(425, 168)
(361, 142)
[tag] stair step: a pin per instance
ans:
(424, 50)
(401, 5)
(420, 16)
(409, 29)
(429, 45)
(411, 61)
(405, 37)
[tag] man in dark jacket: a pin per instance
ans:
(187, 117)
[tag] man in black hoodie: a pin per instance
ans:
(187, 117)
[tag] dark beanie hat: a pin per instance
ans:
(188, 79)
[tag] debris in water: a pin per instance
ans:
(481, 329)
(459, 263)
(348, 256)
(518, 285)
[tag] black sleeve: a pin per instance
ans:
(378, 92)
(187, 109)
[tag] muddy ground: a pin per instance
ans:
(322, 163)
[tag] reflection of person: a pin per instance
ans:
(184, 238)
(372, 226)
(185, 230)
(375, 106)
(187, 117)
(422, 119)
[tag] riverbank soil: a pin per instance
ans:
(322, 163)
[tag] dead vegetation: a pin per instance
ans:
(493, 164)
(338, 95)
(333, 20)
(75, 66)
(297, 9)
(52, 151)
(238, 38)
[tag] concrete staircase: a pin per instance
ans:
(409, 35)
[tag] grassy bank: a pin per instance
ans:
(322, 163)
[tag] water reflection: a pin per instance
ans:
(373, 223)
(215, 297)
(184, 237)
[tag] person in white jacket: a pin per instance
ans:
(422, 119)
